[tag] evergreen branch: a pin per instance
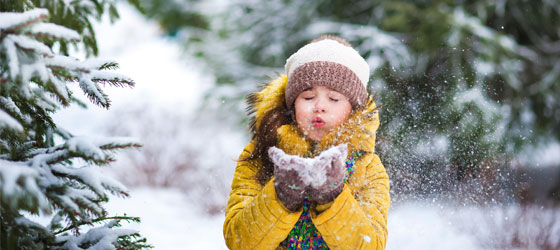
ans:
(44, 101)
(85, 177)
(42, 15)
(109, 65)
(31, 46)
(63, 154)
(50, 158)
(53, 193)
(4, 147)
(94, 93)
(97, 220)
(126, 244)
(39, 151)
(88, 66)
(121, 146)
(18, 187)
(59, 89)
(113, 79)
(7, 121)
(116, 83)
(75, 194)
(39, 117)
(88, 78)
(75, 207)
(104, 237)
(46, 36)
(87, 202)
(74, 68)
(79, 147)
(67, 155)
(53, 31)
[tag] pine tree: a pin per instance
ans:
(45, 169)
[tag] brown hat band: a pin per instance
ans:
(329, 74)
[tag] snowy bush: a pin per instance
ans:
(45, 169)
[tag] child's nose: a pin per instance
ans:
(320, 106)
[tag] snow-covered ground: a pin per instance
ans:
(170, 221)
(167, 81)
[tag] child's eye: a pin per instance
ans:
(308, 98)
(333, 99)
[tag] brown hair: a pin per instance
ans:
(266, 137)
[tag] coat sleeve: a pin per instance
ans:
(255, 218)
(357, 219)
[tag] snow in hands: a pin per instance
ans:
(313, 171)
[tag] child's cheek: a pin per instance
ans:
(308, 109)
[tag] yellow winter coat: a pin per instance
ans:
(356, 219)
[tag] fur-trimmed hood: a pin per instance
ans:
(358, 131)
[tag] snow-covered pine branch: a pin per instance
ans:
(49, 161)
(99, 238)
(6, 121)
(89, 73)
(44, 177)
(35, 173)
(53, 31)
(14, 20)
(29, 59)
(95, 150)
(19, 187)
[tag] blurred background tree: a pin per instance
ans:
(463, 84)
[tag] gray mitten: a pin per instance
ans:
(329, 170)
(290, 188)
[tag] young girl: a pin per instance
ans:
(280, 199)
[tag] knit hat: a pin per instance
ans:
(328, 61)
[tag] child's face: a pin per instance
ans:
(319, 109)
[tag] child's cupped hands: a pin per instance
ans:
(321, 177)
(288, 183)
(330, 167)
